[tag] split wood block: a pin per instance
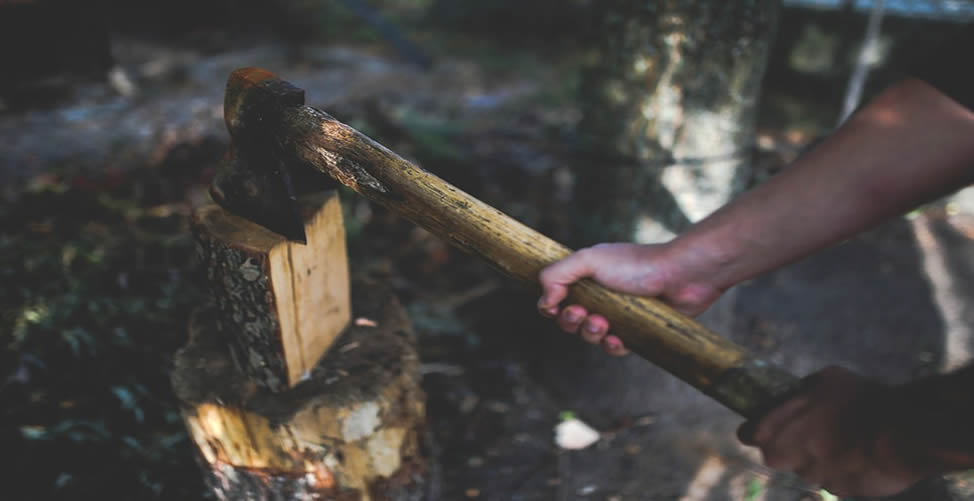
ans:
(280, 304)
(352, 431)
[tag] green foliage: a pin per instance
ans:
(827, 496)
(94, 303)
(511, 20)
(754, 489)
(427, 318)
(435, 138)
(316, 21)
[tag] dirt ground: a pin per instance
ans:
(893, 303)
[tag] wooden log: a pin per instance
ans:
(280, 304)
(680, 345)
(352, 431)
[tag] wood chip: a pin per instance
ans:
(348, 347)
(586, 490)
(645, 421)
(472, 493)
(573, 434)
(468, 404)
(365, 322)
(498, 407)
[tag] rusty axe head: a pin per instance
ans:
(257, 180)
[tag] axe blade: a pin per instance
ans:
(260, 190)
(256, 180)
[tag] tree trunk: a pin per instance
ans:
(280, 304)
(669, 113)
(352, 431)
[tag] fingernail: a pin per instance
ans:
(572, 316)
(594, 329)
(613, 343)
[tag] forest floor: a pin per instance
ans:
(98, 282)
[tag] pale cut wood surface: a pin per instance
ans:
(659, 334)
(679, 344)
(281, 303)
(353, 430)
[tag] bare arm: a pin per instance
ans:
(908, 146)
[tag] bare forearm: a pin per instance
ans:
(908, 146)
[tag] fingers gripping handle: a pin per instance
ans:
(685, 348)
(651, 329)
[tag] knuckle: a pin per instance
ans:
(774, 459)
(781, 460)
(762, 433)
(825, 449)
(547, 275)
(582, 254)
(572, 316)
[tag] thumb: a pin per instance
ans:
(556, 278)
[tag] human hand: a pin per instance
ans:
(678, 277)
(838, 434)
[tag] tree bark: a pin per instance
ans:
(669, 112)
(649, 328)
(669, 109)
(352, 431)
(280, 304)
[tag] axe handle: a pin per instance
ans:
(680, 345)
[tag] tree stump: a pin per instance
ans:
(351, 431)
(279, 304)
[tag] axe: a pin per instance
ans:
(281, 147)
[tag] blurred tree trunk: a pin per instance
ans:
(669, 111)
(666, 137)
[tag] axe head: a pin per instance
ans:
(260, 190)
(256, 180)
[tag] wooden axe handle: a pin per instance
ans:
(680, 345)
